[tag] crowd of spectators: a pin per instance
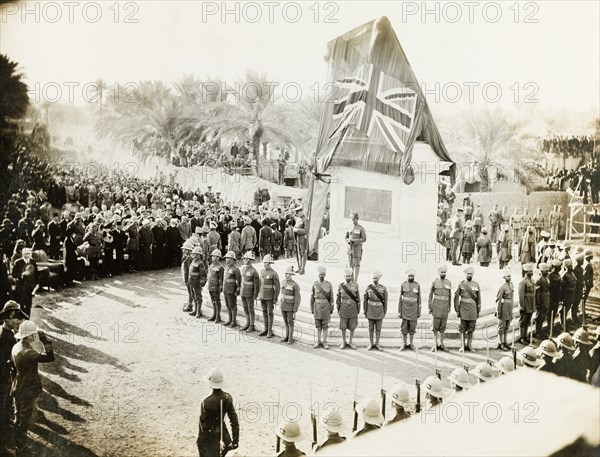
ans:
(581, 145)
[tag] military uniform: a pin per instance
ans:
(249, 291)
(197, 280)
(569, 284)
(399, 417)
(269, 291)
(504, 311)
(321, 307)
(467, 304)
(439, 303)
(542, 303)
(300, 232)
(232, 278)
(348, 306)
(578, 295)
(527, 305)
(329, 441)
(588, 282)
(209, 430)
(409, 306)
(289, 304)
(375, 308)
(356, 236)
(555, 292)
(185, 274)
(215, 287)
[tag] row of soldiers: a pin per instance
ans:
(560, 288)
(569, 356)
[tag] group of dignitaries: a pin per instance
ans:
(573, 356)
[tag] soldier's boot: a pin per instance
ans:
(462, 344)
(291, 337)
(411, 345)
(218, 313)
(371, 344)
(265, 332)
(506, 346)
(350, 345)
(377, 336)
(234, 311)
(214, 313)
(470, 342)
(251, 326)
(245, 327)
(500, 341)
(442, 347)
(317, 345)
(325, 345)
(228, 323)
(404, 345)
(286, 338)
(199, 309)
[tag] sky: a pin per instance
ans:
(545, 53)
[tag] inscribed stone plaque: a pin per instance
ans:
(371, 204)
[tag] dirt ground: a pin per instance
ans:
(128, 375)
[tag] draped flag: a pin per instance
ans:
(374, 116)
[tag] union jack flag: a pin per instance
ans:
(377, 105)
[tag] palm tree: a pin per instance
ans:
(14, 99)
(253, 113)
(98, 89)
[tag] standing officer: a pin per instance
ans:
(400, 398)
(542, 299)
(375, 308)
(249, 290)
(526, 302)
(213, 410)
(321, 307)
(569, 284)
(355, 239)
(248, 236)
(231, 288)
(11, 316)
(197, 280)
(555, 290)
(33, 348)
(215, 285)
(334, 424)
(348, 306)
(289, 302)
(268, 293)
(300, 231)
(467, 304)
(409, 308)
(504, 311)
(439, 307)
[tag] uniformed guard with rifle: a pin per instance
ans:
(401, 399)
(375, 307)
(300, 232)
(439, 307)
(467, 304)
(321, 307)
(249, 290)
(355, 239)
(214, 439)
(335, 425)
(370, 411)
(348, 305)
(290, 434)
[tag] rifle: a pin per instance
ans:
(438, 373)
(313, 418)
(278, 441)
(355, 420)
(383, 392)
(418, 405)
(221, 442)
(514, 354)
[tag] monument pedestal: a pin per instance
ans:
(400, 219)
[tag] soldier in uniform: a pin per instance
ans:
(370, 411)
(504, 247)
(249, 290)
(234, 239)
(11, 317)
(555, 291)
(268, 293)
(539, 222)
(505, 365)
(548, 353)
(495, 221)
(529, 357)
(265, 238)
(32, 349)
(564, 364)
(232, 282)
(582, 360)
(477, 220)
(248, 236)
(289, 243)
(483, 372)
(554, 219)
(409, 308)
(434, 392)
(213, 410)
(334, 424)
(569, 284)
(290, 434)
(276, 241)
(467, 246)
(588, 279)
(355, 239)
(300, 231)
(321, 307)
(215, 285)
(401, 399)
(526, 302)
(289, 302)
(197, 280)
(186, 260)
(459, 379)
(542, 299)
(457, 235)
(516, 223)
(439, 307)
(467, 304)
(504, 312)
(579, 287)
(375, 308)
(348, 306)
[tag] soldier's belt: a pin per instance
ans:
(441, 297)
(467, 300)
(230, 280)
(404, 298)
(268, 286)
(375, 303)
(248, 283)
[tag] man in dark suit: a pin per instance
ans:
(146, 240)
(173, 244)
(55, 236)
(25, 274)
(71, 259)
(119, 244)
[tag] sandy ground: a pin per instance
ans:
(128, 378)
